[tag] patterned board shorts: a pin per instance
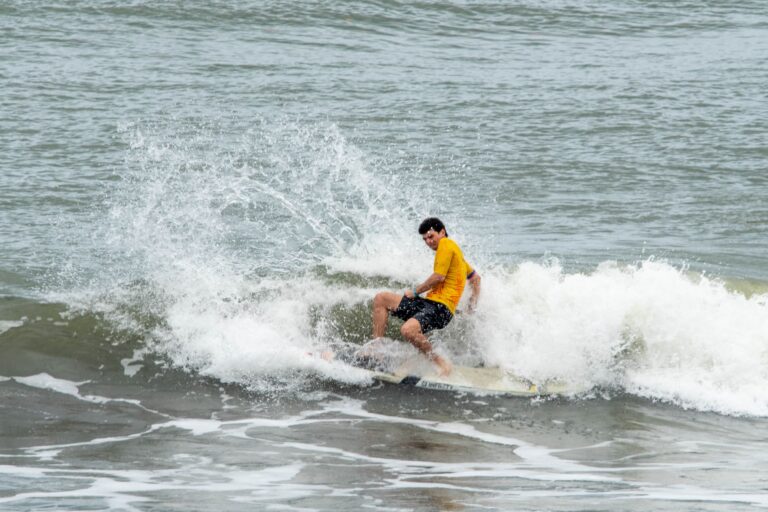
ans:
(431, 315)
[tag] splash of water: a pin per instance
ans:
(211, 239)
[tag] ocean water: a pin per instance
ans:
(195, 197)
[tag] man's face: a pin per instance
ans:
(432, 238)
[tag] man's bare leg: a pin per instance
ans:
(411, 331)
(383, 303)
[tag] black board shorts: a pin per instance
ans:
(431, 315)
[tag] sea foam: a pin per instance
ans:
(251, 251)
(650, 329)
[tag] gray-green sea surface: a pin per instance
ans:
(196, 199)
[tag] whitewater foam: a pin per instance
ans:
(228, 268)
(6, 325)
(649, 329)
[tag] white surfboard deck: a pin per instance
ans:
(493, 381)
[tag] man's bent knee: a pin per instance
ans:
(387, 300)
(410, 329)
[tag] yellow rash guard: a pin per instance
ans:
(449, 262)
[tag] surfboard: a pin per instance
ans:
(494, 381)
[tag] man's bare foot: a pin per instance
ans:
(444, 365)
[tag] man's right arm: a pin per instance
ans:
(427, 285)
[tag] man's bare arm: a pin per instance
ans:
(474, 282)
(427, 285)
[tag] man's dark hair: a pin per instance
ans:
(431, 223)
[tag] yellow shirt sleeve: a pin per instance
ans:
(443, 259)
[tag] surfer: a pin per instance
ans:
(443, 290)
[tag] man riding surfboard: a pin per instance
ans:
(443, 291)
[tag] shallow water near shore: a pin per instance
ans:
(381, 448)
(193, 198)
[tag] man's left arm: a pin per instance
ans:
(474, 281)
